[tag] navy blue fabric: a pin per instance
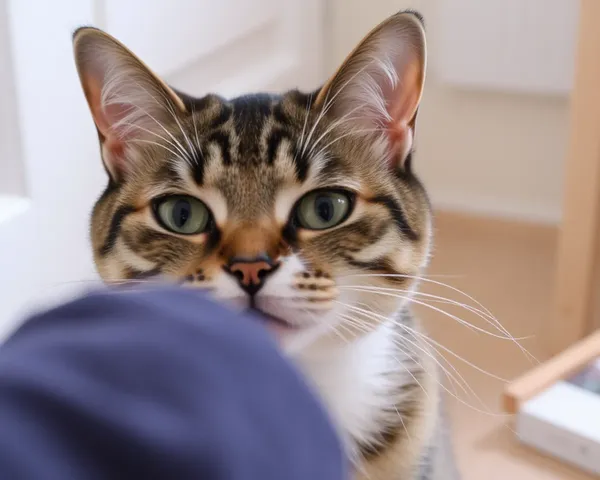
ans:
(161, 384)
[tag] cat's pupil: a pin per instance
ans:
(181, 212)
(324, 208)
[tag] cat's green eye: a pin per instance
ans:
(323, 209)
(182, 214)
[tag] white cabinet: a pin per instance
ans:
(507, 45)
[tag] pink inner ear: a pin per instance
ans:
(106, 118)
(401, 107)
(114, 114)
(405, 97)
(113, 144)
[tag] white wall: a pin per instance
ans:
(490, 153)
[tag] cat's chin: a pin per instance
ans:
(278, 327)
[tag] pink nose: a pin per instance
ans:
(251, 273)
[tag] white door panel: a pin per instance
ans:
(43, 241)
(228, 47)
(170, 35)
(256, 61)
(202, 46)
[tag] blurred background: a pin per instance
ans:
(505, 145)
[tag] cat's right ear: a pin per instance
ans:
(377, 89)
(128, 102)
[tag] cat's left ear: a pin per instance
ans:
(379, 86)
(129, 103)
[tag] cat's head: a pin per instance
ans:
(303, 206)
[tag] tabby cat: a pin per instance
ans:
(301, 206)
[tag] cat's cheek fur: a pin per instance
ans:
(281, 283)
(226, 289)
(132, 259)
(111, 270)
(388, 243)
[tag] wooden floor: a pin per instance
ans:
(509, 268)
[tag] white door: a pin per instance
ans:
(50, 169)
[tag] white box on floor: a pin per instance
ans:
(564, 420)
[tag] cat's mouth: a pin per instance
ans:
(276, 325)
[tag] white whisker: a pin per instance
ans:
(439, 310)
(145, 112)
(169, 104)
(300, 143)
(449, 301)
(482, 311)
(449, 375)
(357, 324)
(198, 143)
(439, 345)
(328, 103)
(427, 279)
(178, 154)
(353, 132)
(341, 121)
(416, 334)
(150, 142)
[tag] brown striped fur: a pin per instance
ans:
(249, 160)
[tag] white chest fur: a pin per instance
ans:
(357, 382)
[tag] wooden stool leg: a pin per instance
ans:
(578, 254)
